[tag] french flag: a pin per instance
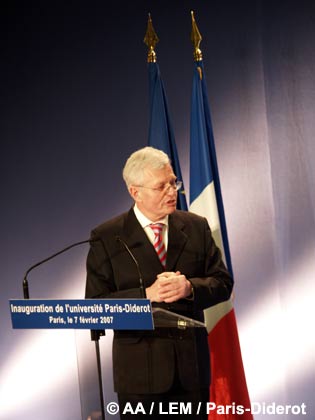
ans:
(228, 382)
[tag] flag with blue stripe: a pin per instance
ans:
(161, 135)
(205, 189)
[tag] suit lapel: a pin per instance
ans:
(137, 240)
(176, 241)
(140, 245)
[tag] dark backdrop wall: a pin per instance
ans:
(75, 105)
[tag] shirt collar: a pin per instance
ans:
(144, 221)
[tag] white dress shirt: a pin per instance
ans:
(145, 223)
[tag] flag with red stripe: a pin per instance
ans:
(228, 382)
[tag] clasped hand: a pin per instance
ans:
(169, 287)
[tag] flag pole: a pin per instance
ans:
(196, 38)
(151, 39)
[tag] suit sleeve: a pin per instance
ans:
(100, 281)
(216, 284)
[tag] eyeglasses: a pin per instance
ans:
(175, 185)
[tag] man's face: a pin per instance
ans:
(156, 198)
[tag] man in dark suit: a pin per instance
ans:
(182, 272)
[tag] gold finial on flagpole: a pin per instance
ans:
(195, 38)
(151, 39)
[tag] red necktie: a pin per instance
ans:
(158, 242)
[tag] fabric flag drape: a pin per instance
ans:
(228, 383)
(161, 135)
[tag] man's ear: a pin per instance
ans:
(135, 193)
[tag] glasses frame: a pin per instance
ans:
(165, 188)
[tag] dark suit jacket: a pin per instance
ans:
(145, 362)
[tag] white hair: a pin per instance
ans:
(140, 160)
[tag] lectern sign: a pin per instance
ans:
(92, 314)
